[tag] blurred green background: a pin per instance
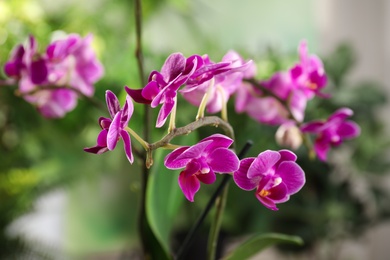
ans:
(98, 194)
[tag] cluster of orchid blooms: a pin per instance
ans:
(52, 82)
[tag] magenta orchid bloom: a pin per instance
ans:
(274, 174)
(201, 161)
(162, 87)
(49, 81)
(228, 77)
(332, 132)
(114, 128)
(309, 75)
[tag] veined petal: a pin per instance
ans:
(127, 145)
(263, 163)
(173, 66)
(127, 112)
(114, 131)
(189, 185)
(171, 161)
(165, 110)
(223, 160)
(194, 151)
(112, 103)
(292, 176)
(219, 140)
(348, 129)
(240, 176)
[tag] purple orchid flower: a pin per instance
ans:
(114, 128)
(267, 109)
(49, 81)
(162, 87)
(332, 132)
(201, 161)
(309, 74)
(228, 76)
(274, 174)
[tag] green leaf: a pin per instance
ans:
(163, 195)
(260, 242)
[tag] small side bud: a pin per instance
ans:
(288, 135)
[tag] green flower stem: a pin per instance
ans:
(204, 101)
(185, 130)
(216, 224)
(138, 138)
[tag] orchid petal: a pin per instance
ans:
(223, 160)
(240, 176)
(292, 176)
(348, 129)
(207, 178)
(263, 163)
(194, 151)
(268, 203)
(278, 193)
(112, 103)
(171, 161)
(113, 131)
(127, 145)
(190, 185)
(136, 95)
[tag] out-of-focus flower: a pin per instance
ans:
(264, 107)
(227, 79)
(288, 135)
(201, 162)
(274, 174)
(332, 132)
(113, 129)
(309, 74)
(52, 81)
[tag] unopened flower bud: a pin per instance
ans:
(288, 135)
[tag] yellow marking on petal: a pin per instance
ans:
(264, 193)
(311, 85)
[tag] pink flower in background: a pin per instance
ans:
(266, 109)
(201, 161)
(332, 132)
(113, 129)
(227, 79)
(309, 74)
(275, 176)
(52, 81)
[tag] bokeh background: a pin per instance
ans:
(58, 202)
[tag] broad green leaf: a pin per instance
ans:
(260, 242)
(164, 197)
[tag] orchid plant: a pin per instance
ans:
(52, 81)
